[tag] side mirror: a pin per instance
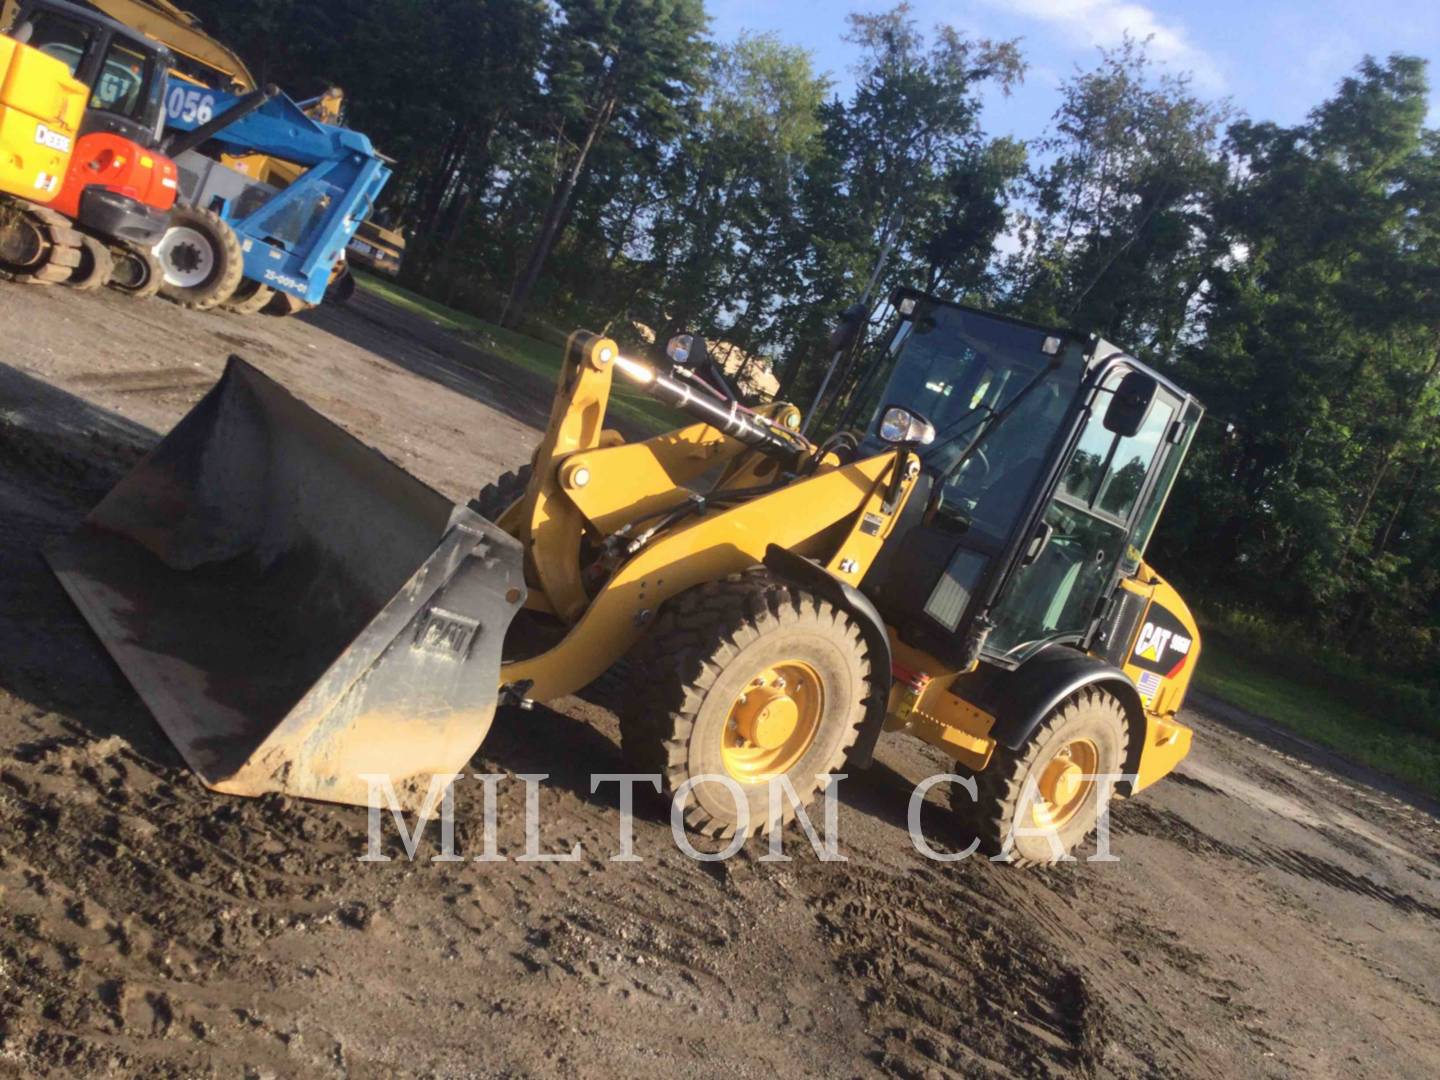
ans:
(687, 350)
(1131, 404)
(901, 426)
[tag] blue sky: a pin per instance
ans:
(1274, 58)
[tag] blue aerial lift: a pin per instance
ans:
(267, 203)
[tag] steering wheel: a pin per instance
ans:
(937, 501)
(979, 455)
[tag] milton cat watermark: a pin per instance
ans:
(781, 804)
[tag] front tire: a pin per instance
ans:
(200, 258)
(495, 498)
(282, 305)
(1042, 785)
(749, 679)
(341, 289)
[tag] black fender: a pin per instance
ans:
(1021, 699)
(812, 577)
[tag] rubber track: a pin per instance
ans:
(64, 246)
(152, 283)
(88, 278)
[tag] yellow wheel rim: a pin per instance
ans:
(772, 722)
(1063, 785)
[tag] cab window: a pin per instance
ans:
(1130, 462)
(1107, 471)
(60, 38)
(1056, 595)
(1154, 502)
(963, 370)
(121, 82)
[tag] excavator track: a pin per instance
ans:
(135, 272)
(37, 245)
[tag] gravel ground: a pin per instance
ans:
(1267, 915)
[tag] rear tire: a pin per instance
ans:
(1088, 730)
(341, 289)
(751, 679)
(96, 265)
(494, 499)
(283, 304)
(250, 298)
(200, 258)
(136, 273)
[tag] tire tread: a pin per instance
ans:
(694, 636)
(1000, 785)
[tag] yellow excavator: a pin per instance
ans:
(965, 565)
(194, 51)
(41, 106)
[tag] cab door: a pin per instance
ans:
(1065, 580)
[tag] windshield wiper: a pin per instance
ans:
(950, 430)
(994, 420)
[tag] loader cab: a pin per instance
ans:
(124, 70)
(1052, 459)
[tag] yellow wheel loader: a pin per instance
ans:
(966, 566)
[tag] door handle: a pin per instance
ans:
(1038, 543)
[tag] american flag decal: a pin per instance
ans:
(1148, 685)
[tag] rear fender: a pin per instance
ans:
(814, 578)
(1020, 700)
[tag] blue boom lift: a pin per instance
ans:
(237, 240)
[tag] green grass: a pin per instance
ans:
(531, 354)
(1319, 715)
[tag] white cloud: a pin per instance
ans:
(1106, 22)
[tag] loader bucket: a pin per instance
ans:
(296, 610)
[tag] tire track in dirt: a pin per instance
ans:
(114, 955)
(1146, 819)
(157, 380)
(948, 986)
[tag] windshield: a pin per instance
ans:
(961, 370)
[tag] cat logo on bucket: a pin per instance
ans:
(53, 139)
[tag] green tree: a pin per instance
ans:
(477, 78)
(722, 240)
(623, 65)
(1115, 233)
(1320, 348)
(894, 158)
